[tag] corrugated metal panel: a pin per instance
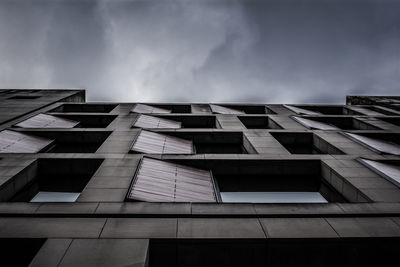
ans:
(145, 121)
(378, 144)
(390, 171)
(160, 181)
(142, 108)
(224, 110)
(313, 124)
(16, 142)
(156, 143)
(47, 121)
(301, 110)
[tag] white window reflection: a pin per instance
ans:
(273, 197)
(43, 196)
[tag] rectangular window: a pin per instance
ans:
(85, 108)
(224, 110)
(156, 143)
(388, 169)
(388, 146)
(51, 180)
(18, 142)
(273, 197)
(160, 181)
(334, 123)
(152, 122)
(47, 121)
(43, 196)
(259, 122)
(304, 143)
(142, 108)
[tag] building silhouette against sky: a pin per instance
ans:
(197, 184)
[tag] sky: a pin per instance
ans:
(281, 51)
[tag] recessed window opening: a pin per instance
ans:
(157, 143)
(47, 121)
(292, 181)
(161, 181)
(149, 109)
(304, 143)
(217, 142)
(89, 121)
(20, 142)
(259, 122)
(25, 97)
(153, 122)
(385, 143)
(71, 141)
(388, 169)
(55, 180)
(249, 109)
(85, 108)
(392, 120)
(219, 109)
(319, 109)
(333, 123)
(19, 251)
(193, 121)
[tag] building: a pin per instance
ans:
(197, 184)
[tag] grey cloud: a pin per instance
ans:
(236, 51)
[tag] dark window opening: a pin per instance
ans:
(270, 181)
(392, 120)
(216, 142)
(344, 123)
(72, 141)
(19, 251)
(175, 108)
(305, 143)
(250, 109)
(258, 122)
(22, 97)
(208, 122)
(90, 108)
(327, 110)
(57, 179)
(381, 110)
(89, 121)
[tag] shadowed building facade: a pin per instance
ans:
(197, 184)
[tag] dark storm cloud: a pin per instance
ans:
(255, 51)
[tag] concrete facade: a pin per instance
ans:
(359, 226)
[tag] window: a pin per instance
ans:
(224, 110)
(47, 121)
(258, 122)
(304, 143)
(22, 97)
(43, 196)
(301, 111)
(142, 108)
(51, 180)
(388, 169)
(216, 142)
(313, 124)
(156, 143)
(389, 146)
(272, 181)
(273, 197)
(18, 142)
(145, 121)
(334, 123)
(85, 108)
(320, 109)
(160, 181)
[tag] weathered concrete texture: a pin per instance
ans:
(261, 149)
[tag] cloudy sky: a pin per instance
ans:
(282, 51)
